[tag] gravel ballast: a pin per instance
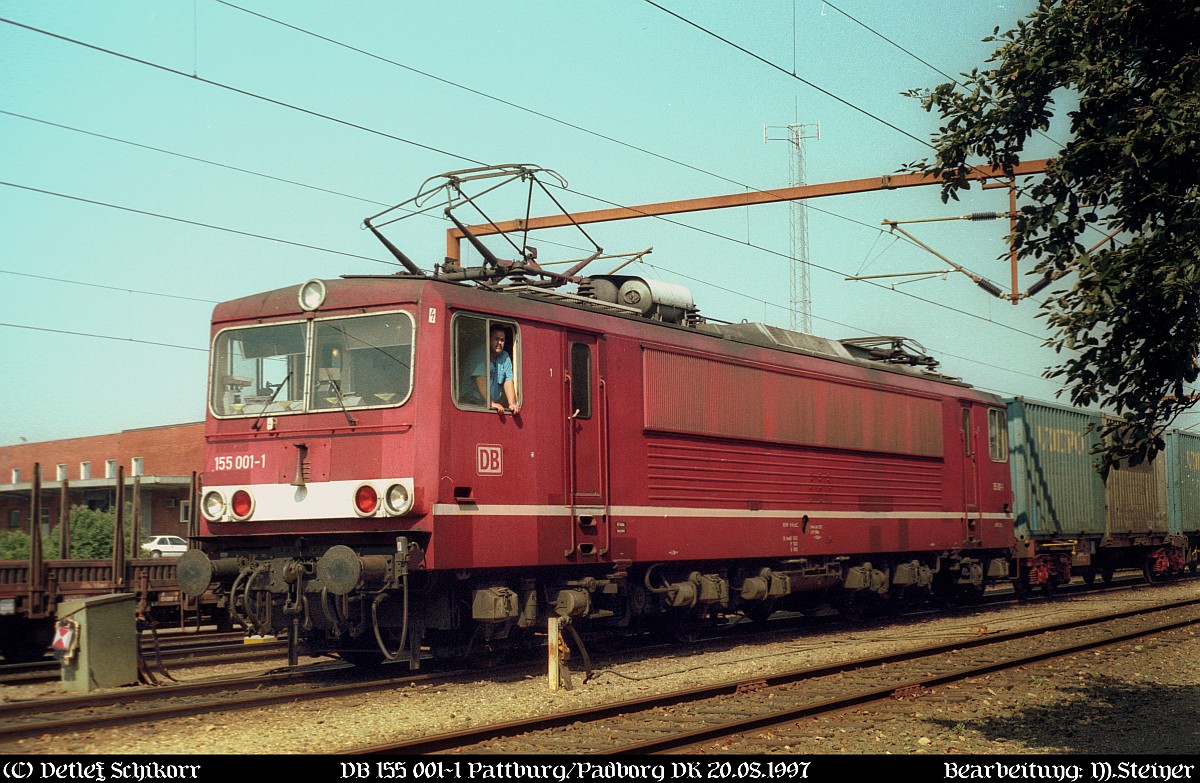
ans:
(1133, 698)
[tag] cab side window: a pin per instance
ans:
(581, 380)
(485, 355)
(998, 436)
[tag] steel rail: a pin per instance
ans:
(41, 711)
(212, 654)
(890, 691)
(482, 738)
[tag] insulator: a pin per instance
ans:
(1039, 285)
(990, 287)
(983, 216)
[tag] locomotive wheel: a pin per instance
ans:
(1107, 575)
(1089, 577)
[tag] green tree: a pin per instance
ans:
(91, 534)
(91, 537)
(1126, 312)
(14, 545)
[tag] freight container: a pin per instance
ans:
(1057, 491)
(1183, 475)
(1136, 500)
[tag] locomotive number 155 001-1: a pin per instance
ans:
(240, 462)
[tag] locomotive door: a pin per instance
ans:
(586, 416)
(970, 465)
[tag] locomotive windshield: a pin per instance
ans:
(358, 362)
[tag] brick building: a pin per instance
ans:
(158, 460)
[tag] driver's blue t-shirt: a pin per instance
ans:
(477, 366)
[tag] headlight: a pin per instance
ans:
(213, 506)
(399, 499)
(312, 295)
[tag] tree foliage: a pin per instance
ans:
(1125, 314)
(91, 537)
(91, 534)
(14, 545)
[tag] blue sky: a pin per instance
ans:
(172, 155)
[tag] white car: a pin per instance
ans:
(171, 546)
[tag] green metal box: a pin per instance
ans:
(107, 652)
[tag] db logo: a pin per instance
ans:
(488, 461)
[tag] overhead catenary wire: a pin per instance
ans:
(489, 96)
(194, 158)
(748, 243)
(534, 112)
(875, 32)
(391, 263)
(940, 352)
(368, 129)
(107, 287)
(358, 126)
(932, 67)
(279, 239)
(460, 157)
(103, 337)
(191, 222)
(237, 169)
(793, 75)
(238, 90)
(640, 261)
(786, 256)
(401, 65)
(477, 92)
(537, 113)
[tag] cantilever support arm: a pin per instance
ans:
(454, 236)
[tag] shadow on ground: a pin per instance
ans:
(1103, 715)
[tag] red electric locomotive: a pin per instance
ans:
(427, 462)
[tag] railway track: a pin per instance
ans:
(327, 680)
(171, 651)
(215, 648)
(125, 707)
(685, 719)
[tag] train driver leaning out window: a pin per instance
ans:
(498, 368)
